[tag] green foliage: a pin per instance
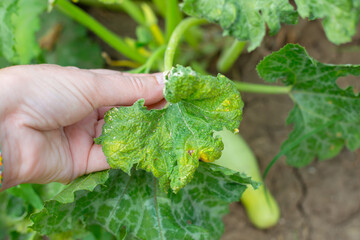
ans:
(135, 207)
(24, 22)
(86, 182)
(72, 47)
(242, 18)
(20, 22)
(245, 20)
(169, 142)
(28, 194)
(318, 101)
(340, 17)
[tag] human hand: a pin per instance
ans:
(49, 116)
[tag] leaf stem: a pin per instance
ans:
(295, 143)
(229, 55)
(134, 11)
(150, 62)
(105, 34)
(261, 88)
(175, 38)
(173, 17)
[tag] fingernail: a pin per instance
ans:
(160, 78)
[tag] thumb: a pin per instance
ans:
(116, 88)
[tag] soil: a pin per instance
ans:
(318, 202)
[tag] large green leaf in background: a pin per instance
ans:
(19, 23)
(244, 19)
(169, 142)
(136, 207)
(340, 17)
(318, 101)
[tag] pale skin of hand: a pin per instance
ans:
(50, 115)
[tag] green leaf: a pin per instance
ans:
(340, 17)
(134, 204)
(169, 142)
(26, 192)
(7, 39)
(72, 46)
(318, 101)
(20, 22)
(86, 182)
(244, 19)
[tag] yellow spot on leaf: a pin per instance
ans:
(204, 157)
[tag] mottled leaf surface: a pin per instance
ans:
(244, 19)
(318, 101)
(340, 17)
(169, 142)
(134, 204)
(86, 182)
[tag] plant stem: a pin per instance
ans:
(109, 37)
(134, 11)
(150, 62)
(156, 54)
(229, 55)
(173, 16)
(131, 8)
(161, 6)
(151, 23)
(175, 38)
(260, 88)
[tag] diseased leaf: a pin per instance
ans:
(340, 17)
(86, 182)
(135, 204)
(318, 100)
(244, 19)
(169, 142)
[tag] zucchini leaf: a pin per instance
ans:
(169, 142)
(86, 182)
(318, 101)
(244, 19)
(135, 207)
(340, 17)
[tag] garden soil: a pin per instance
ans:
(318, 202)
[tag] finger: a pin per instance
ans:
(101, 111)
(120, 89)
(109, 71)
(97, 160)
(158, 105)
(98, 128)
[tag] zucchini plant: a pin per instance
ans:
(169, 179)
